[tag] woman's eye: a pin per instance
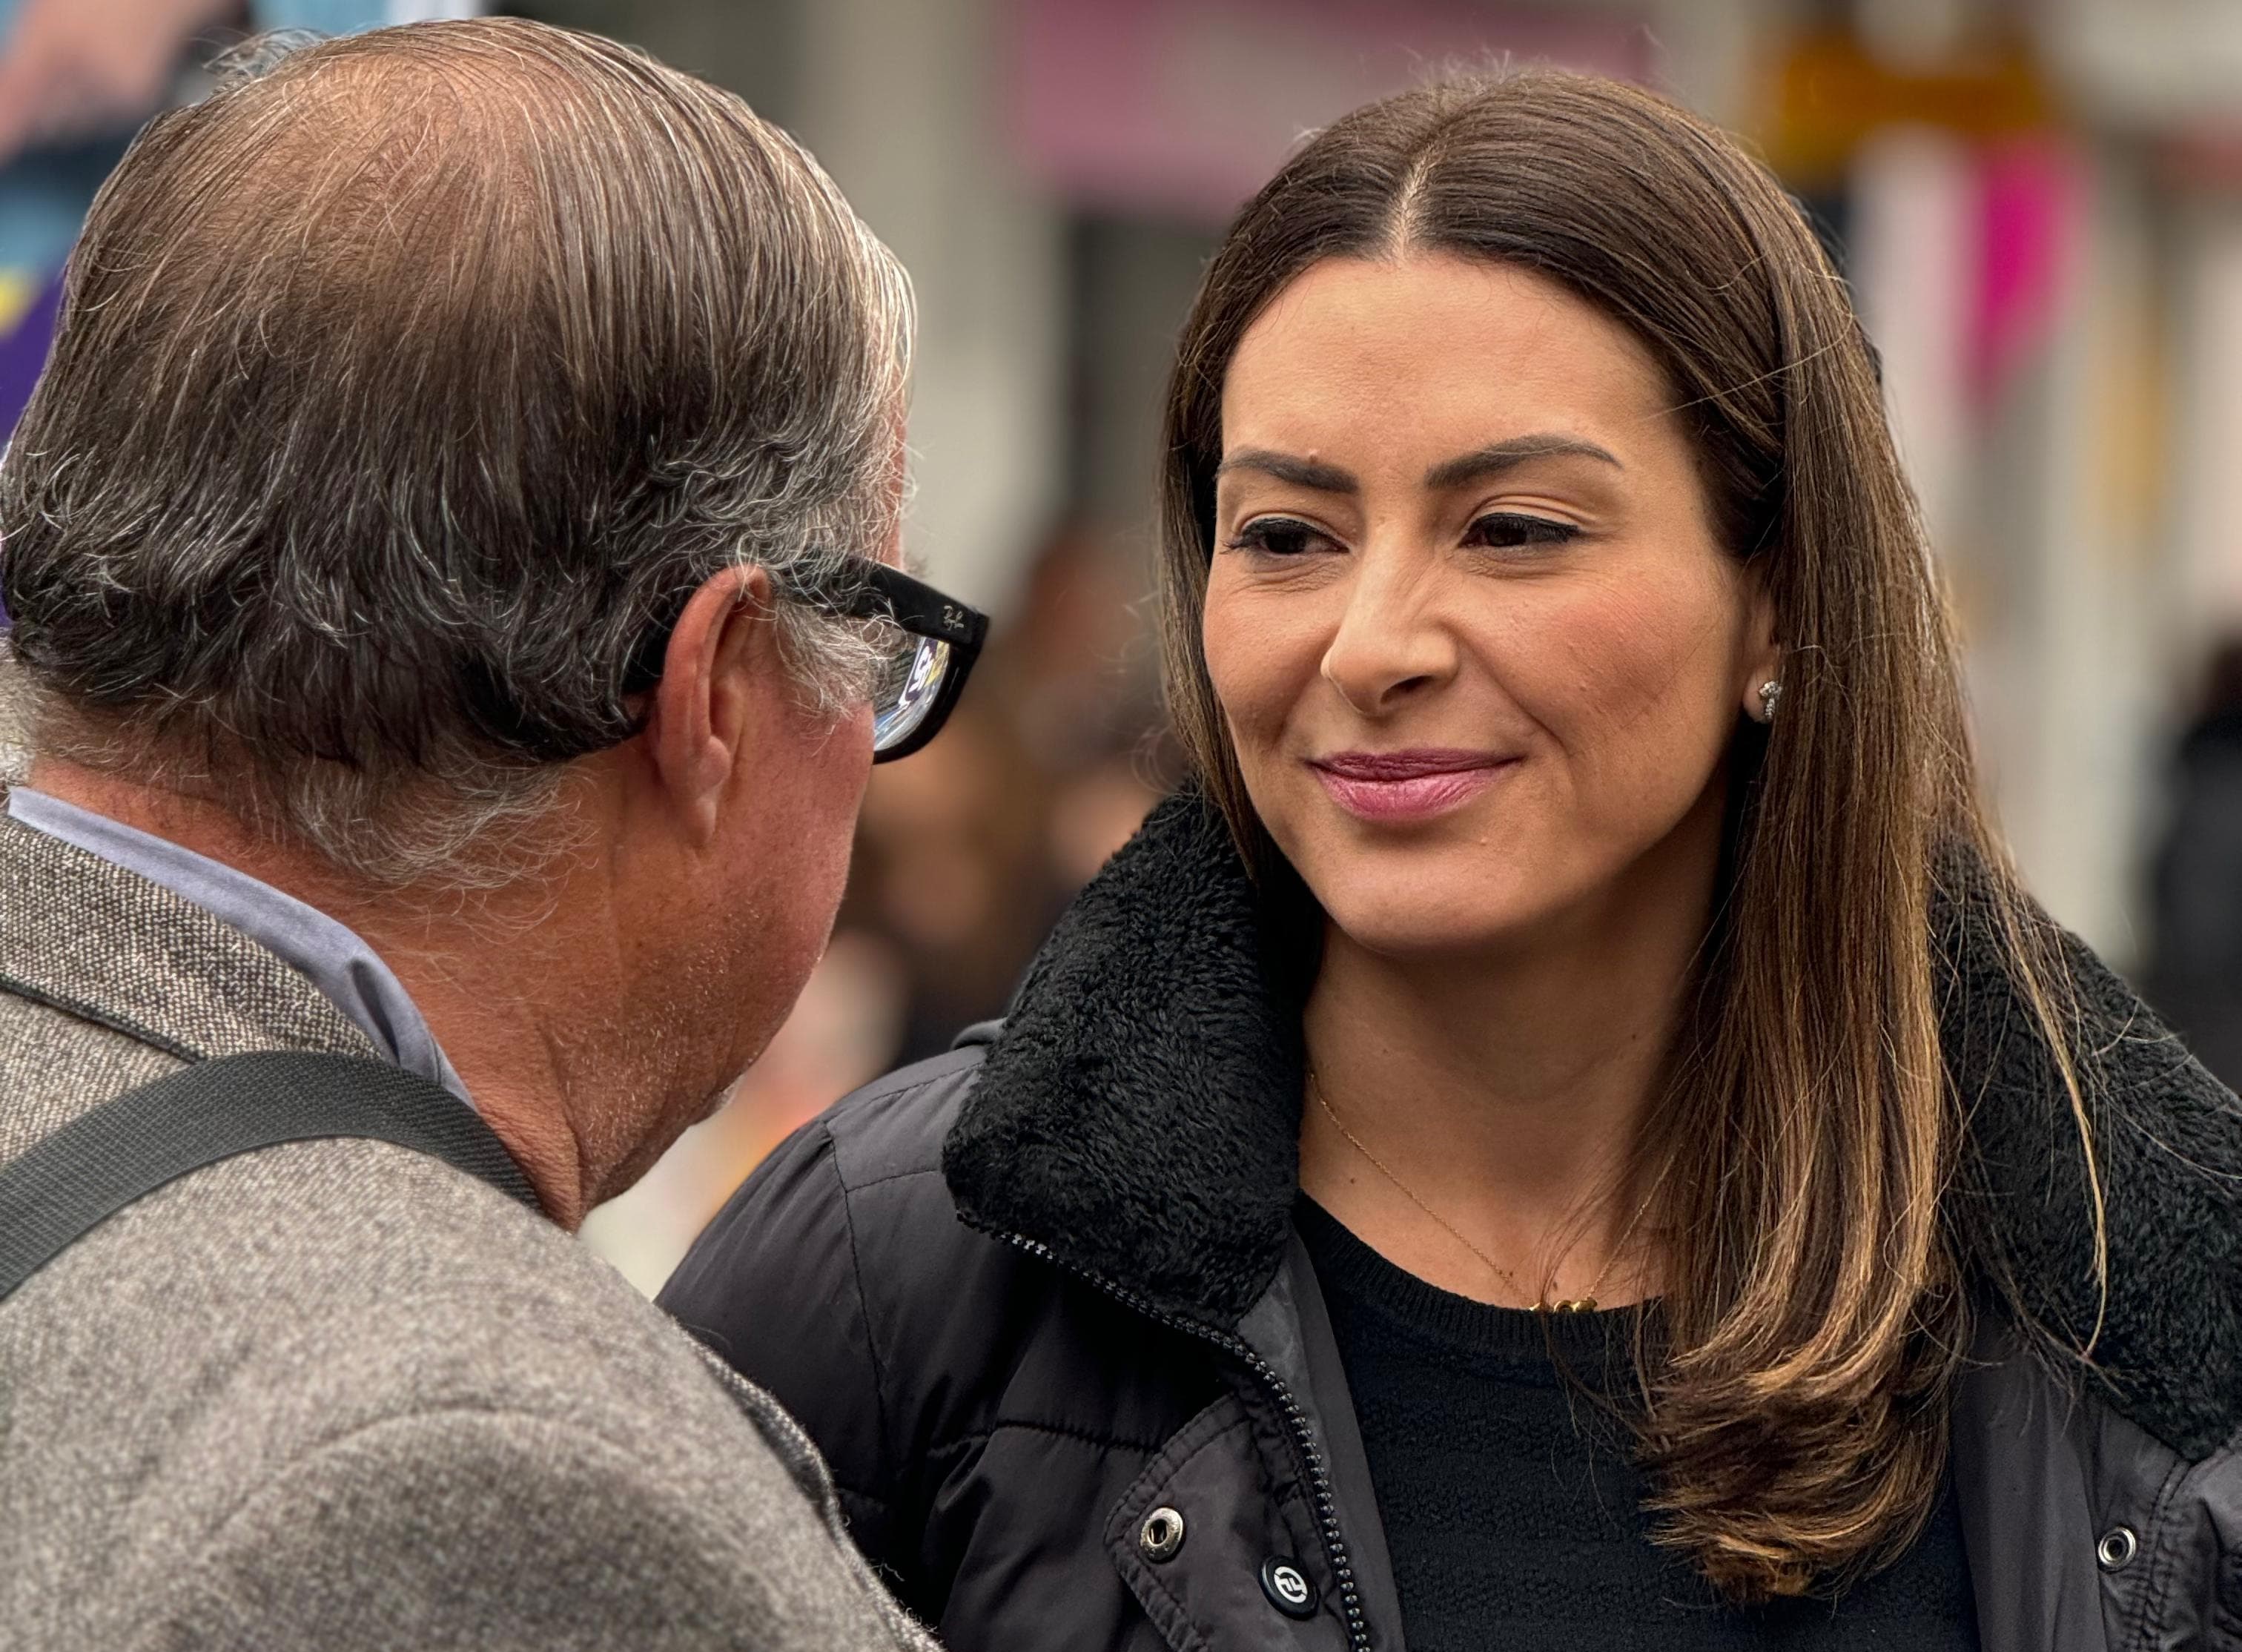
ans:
(1278, 536)
(1507, 530)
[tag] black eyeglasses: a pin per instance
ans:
(922, 672)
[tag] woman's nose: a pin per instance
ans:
(1391, 644)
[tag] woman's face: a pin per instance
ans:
(1478, 649)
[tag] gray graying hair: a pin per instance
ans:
(401, 387)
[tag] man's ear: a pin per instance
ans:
(702, 715)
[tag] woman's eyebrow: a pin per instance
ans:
(1288, 467)
(1473, 467)
(1497, 457)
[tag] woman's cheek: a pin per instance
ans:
(1256, 675)
(1634, 688)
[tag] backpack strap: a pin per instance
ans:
(72, 1180)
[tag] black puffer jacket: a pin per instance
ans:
(1026, 1293)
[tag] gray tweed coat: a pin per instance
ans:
(336, 1395)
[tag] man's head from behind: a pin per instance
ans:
(402, 392)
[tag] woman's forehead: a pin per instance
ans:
(1431, 354)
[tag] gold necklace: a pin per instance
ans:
(1584, 1303)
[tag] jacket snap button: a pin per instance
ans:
(1161, 1535)
(2116, 1548)
(1287, 1586)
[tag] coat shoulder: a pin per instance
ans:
(837, 1276)
(942, 1368)
(863, 1177)
(895, 1127)
(194, 1388)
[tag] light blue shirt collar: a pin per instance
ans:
(331, 956)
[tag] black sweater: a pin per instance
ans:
(1511, 1506)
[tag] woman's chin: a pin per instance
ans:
(1429, 925)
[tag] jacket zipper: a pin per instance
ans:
(1296, 1424)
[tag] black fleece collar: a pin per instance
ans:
(1139, 1115)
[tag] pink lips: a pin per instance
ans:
(1407, 785)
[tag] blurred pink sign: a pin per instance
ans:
(1187, 106)
(2033, 196)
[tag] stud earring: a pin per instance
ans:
(1770, 695)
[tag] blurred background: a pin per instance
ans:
(2038, 204)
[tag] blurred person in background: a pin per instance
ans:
(969, 857)
(76, 77)
(1567, 1132)
(450, 558)
(2195, 973)
(952, 875)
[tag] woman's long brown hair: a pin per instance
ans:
(1815, 1316)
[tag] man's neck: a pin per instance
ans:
(463, 966)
